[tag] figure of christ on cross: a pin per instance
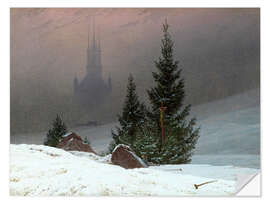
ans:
(162, 109)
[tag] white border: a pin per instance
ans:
(5, 84)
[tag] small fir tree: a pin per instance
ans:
(133, 115)
(56, 132)
(86, 141)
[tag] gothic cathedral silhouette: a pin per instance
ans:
(92, 90)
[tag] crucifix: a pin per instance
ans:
(162, 109)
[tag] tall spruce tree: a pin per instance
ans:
(56, 132)
(180, 134)
(169, 88)
(133, 115)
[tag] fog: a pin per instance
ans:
(218, 49)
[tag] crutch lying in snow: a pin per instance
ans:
(197, 186)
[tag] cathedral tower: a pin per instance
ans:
(94, 66)
(92, 90)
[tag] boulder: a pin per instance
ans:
(123, 156)
(72, 142)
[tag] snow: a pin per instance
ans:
(229, 126)
(208, 171)
(240, 160)
(67, 134)
(45, 171)
(70, 139)
(92, 156)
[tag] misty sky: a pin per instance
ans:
(218, 49)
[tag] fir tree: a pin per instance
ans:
(86, 141)
(56, 132)
(181, 138)
(180, 134)
(169, 88)
(133, 115)
(147, 142)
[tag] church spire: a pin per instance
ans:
(88, 36)
(99, 53)
(94, 66)
(99, 47)
(88, 51)
(94, 37)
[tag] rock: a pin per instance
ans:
(72, 142)
(123, 156)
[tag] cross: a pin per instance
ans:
(162, 109)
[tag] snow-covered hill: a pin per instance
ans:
(41, 170)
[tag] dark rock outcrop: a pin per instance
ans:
(72, 142)
(123, 156)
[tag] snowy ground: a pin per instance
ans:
(239, 160)
(207, 171)
(45, 171)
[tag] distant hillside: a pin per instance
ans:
(231, 125)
